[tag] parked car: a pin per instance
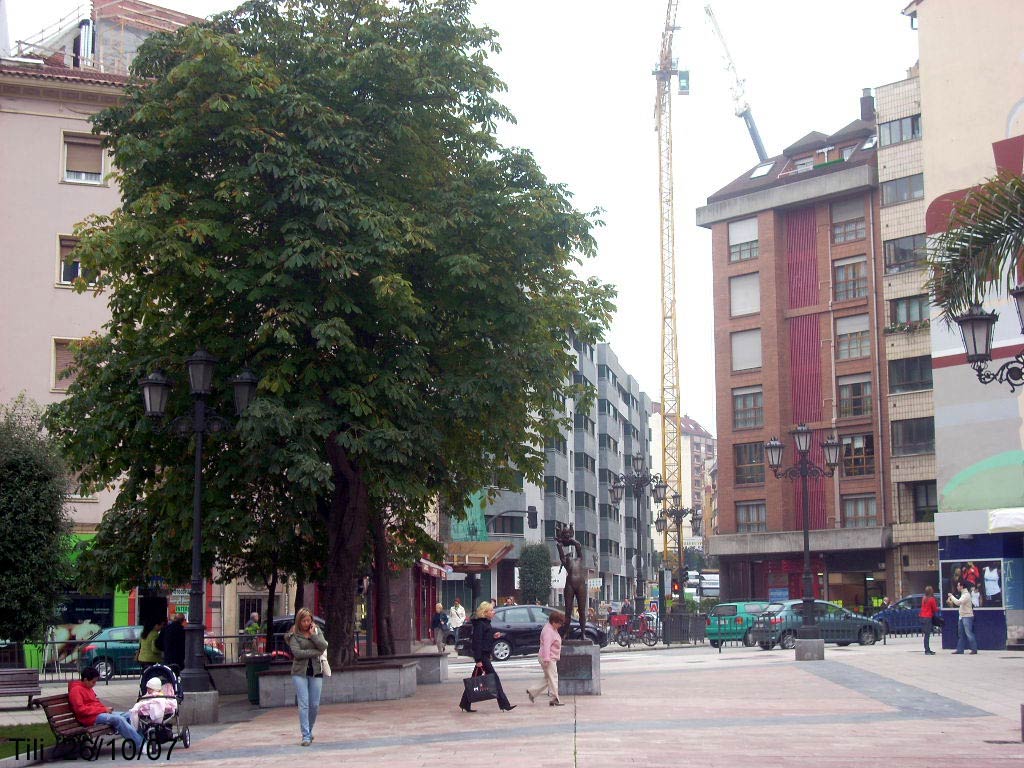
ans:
(733, 621)
(780, 622)
(517, 631)
(111, 651)
(901, 616)
(283, 625)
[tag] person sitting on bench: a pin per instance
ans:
(89, 710)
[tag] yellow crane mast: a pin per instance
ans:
(671, 432)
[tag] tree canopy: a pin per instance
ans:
(982, 248)
(35, 531)
(315, 189)
(535, 573)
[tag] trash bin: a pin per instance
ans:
(254, 664)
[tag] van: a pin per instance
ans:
(709, 585)
(732, 621)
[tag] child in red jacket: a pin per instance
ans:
(89, 710)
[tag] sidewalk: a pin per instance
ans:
(688, 706)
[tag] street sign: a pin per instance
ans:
(595, 583)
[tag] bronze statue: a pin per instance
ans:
(575, 575)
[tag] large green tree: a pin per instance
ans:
(983, 246)
(35, 531)
(315, 189)
(535, 573)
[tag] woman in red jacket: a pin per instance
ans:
(929, 610)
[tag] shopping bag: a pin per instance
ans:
(481, 687)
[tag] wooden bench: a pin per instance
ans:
(72, 736)
(20, 682)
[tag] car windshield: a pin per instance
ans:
(775, 608)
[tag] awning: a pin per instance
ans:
(1006, 520)
(475, 556)
(432, 569)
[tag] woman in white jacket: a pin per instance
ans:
(965, 626)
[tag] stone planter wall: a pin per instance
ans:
(363, 682)
(431, 668)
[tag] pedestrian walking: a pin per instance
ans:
(548, 655)
(307, 644)
(456, 617)
(149, 654)
(172, 642)
(965, 625)
(439, 626)
(929, 610)
(483, 645)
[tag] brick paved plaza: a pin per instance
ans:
(882, 705)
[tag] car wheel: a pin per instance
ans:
(866, 636)
(713, 643)
(842, 645)
(105, 667)
(748, 639)
(765, 646)
(787, 641)
(502, 650)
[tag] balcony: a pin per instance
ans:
(788, 542)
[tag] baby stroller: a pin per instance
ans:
(157, 711)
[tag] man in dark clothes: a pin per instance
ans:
(173, 641)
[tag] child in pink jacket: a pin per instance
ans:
(549, 654)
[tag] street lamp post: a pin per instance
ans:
(803, 469)
(637, 480)
(155, 389)
(676, 514)
(976, 327)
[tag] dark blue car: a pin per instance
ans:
(902, 616)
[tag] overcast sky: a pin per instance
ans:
(580, 85)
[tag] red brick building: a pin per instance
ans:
(799, 319)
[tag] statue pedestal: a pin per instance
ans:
(579, 669)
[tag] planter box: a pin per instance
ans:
(431, 668)
(362, 682)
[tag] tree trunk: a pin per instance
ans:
(271, 585)
(382, 578)
(347, 518)
(300, 592)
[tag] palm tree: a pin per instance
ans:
(983, 247)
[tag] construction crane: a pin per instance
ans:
(738, 96)
(671, 430)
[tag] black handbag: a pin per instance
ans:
(938, 621)
(481, 687)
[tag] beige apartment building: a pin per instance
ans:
(912, 560)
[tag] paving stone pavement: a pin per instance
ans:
(680, 707)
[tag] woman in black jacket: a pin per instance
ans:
(483, 644)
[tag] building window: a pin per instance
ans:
(83, 159)
(910, 374)
(912, 436)
(926, 501)
(746, 349)
(902, 190)
(910, 309)
(858, 455)
(63, 360)
(608, 442)
(898, 131)
(745, 294)
(855, 395)
(859, 511)
(848, 220)
(557, 486)
(556, 445)
(749, 463)
(584, 423)
(905, 253)
(510, 526)
(751, 517)
(853, 337)
(850, 278)
(743, 240)
(586, 462)
(747, 408)
(70, 267)
(586, 500)
(848, 151)
(804, 164)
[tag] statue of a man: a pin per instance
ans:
(575, 575)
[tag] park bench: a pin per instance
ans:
(72, 736)
(20, 682)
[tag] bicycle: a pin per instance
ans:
(629, 632)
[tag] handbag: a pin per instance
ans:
(481, 687)
(325, 667)
(938, 621)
